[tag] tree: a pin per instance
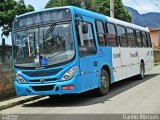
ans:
(102, 7)
(57, 3)
(99, 6)
(120, 12)
(8, 10)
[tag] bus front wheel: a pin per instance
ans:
(104, 81)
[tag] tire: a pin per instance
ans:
(142, 71)
(104, 88)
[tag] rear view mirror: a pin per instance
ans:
(85, 28)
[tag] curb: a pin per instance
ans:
(9, 105)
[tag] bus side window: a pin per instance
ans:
(100, 33)
(149, 38)
(122, 35)
(86, 41)
(131, 38)
(144, 39)
(138, 37)
(111, 35)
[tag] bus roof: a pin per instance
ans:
(92, 15)
(109, 19)
(54, 8)
(127, 24)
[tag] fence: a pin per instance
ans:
(6, 81)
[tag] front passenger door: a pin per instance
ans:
(88, 54)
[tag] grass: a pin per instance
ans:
(156, 63)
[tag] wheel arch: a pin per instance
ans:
(142, 61)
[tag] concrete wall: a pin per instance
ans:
(5, 54)
(6, 81)
(154, 37)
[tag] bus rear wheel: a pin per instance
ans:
(142, 71)
(104, 88)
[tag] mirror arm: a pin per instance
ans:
(78, 17)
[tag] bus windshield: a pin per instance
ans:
(44, 45)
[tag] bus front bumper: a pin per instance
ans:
(57, 88)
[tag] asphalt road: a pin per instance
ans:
(130, 96)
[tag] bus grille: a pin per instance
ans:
(43, 88)
(45, 80)
(42, 73)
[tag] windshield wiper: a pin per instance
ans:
(50, 29)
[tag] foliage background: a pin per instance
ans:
(99, 6)
(8, 10)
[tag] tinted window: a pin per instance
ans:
(122, 36)
(131, 37)
(100, 33)
(111, 35)
(144, 39)
(86, 41)
(149, 39)
(138, 36)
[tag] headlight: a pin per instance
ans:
(19, 79)
(70, 73)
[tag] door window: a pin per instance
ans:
(86, 40)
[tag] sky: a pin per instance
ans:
(142, 6)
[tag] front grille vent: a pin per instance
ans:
(42, 73)
(43, 88)
(45, 80)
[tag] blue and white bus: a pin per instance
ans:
(69, 50)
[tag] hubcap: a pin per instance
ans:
(104, 82)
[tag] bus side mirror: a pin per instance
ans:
(85, 28)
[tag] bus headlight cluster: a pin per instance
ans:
(69, 74)
(20, 79)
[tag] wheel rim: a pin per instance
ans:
(104, 82)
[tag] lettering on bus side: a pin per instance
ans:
(116, 55)
(134, 55)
